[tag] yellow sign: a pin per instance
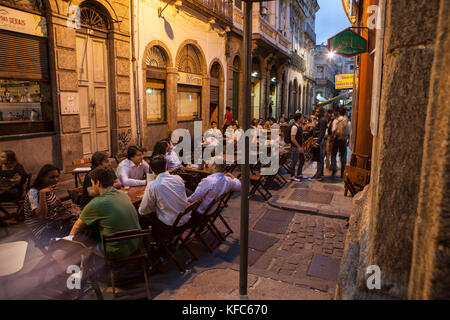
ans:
(191, 79)
(23, 22)
(343, 81)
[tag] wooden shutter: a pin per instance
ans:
(214, 95)
(23, 57)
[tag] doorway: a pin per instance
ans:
(92, 61)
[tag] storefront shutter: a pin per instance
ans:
(214, 95)
(23, 57)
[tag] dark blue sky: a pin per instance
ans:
(330, 20)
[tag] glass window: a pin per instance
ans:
(188, 104)
(24, 100)
(155, 95)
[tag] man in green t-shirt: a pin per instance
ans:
(110, 212)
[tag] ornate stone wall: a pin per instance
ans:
(63, 58)
(400, 223)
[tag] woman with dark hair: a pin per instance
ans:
(160, 148)
(99, 159)
(44, 212)
(12, 176)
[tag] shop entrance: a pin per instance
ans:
(92, 62)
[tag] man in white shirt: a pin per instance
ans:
(133, 170)
(214, 186)
(165, 196)
(213, 136)
(233, 134)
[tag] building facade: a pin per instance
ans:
(301, 68)
(181, 65)
(399, 223)
(102, 75)
(271, 54)
(325, 70)
(66, 86)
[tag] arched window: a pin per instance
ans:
(190, 65)
(156, 62)
(189, 60)
(156, 57)
(93, 16)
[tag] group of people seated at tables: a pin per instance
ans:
(105, 206)
(106, 209)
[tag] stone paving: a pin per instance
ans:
(292, 255)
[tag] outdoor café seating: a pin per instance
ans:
(132, 269)
(174, 235)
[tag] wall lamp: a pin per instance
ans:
(177, 3)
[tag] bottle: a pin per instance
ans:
(7, 95)
(28, 96)
(34, 115)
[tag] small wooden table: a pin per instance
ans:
(75, 170)
(203, 172)
(135, 193)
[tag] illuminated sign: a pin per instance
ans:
(347, 44)
(343, 81)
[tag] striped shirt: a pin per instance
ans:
(37, 225)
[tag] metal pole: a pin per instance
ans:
(245, 168)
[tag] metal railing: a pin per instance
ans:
(310, 32)
(298, 62)
(219, 8)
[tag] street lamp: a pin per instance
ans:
(245, 168)
(331, 55)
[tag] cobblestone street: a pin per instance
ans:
(292, 255)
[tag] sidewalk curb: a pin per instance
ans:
(304, 211)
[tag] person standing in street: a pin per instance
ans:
(320, 130)
(228, 119)
(296, 141)
(329, 142)
(340, 133)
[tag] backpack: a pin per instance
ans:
(342, 130)
(287, 134)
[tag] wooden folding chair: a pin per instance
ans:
(18, 203)
(261, 183)
(279, 179)
(175, 235)
(356, 174)
(223, 203)
(199, 225)
(115, 266)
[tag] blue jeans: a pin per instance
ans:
(296, 156)
(341, 147)
(320, 164)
